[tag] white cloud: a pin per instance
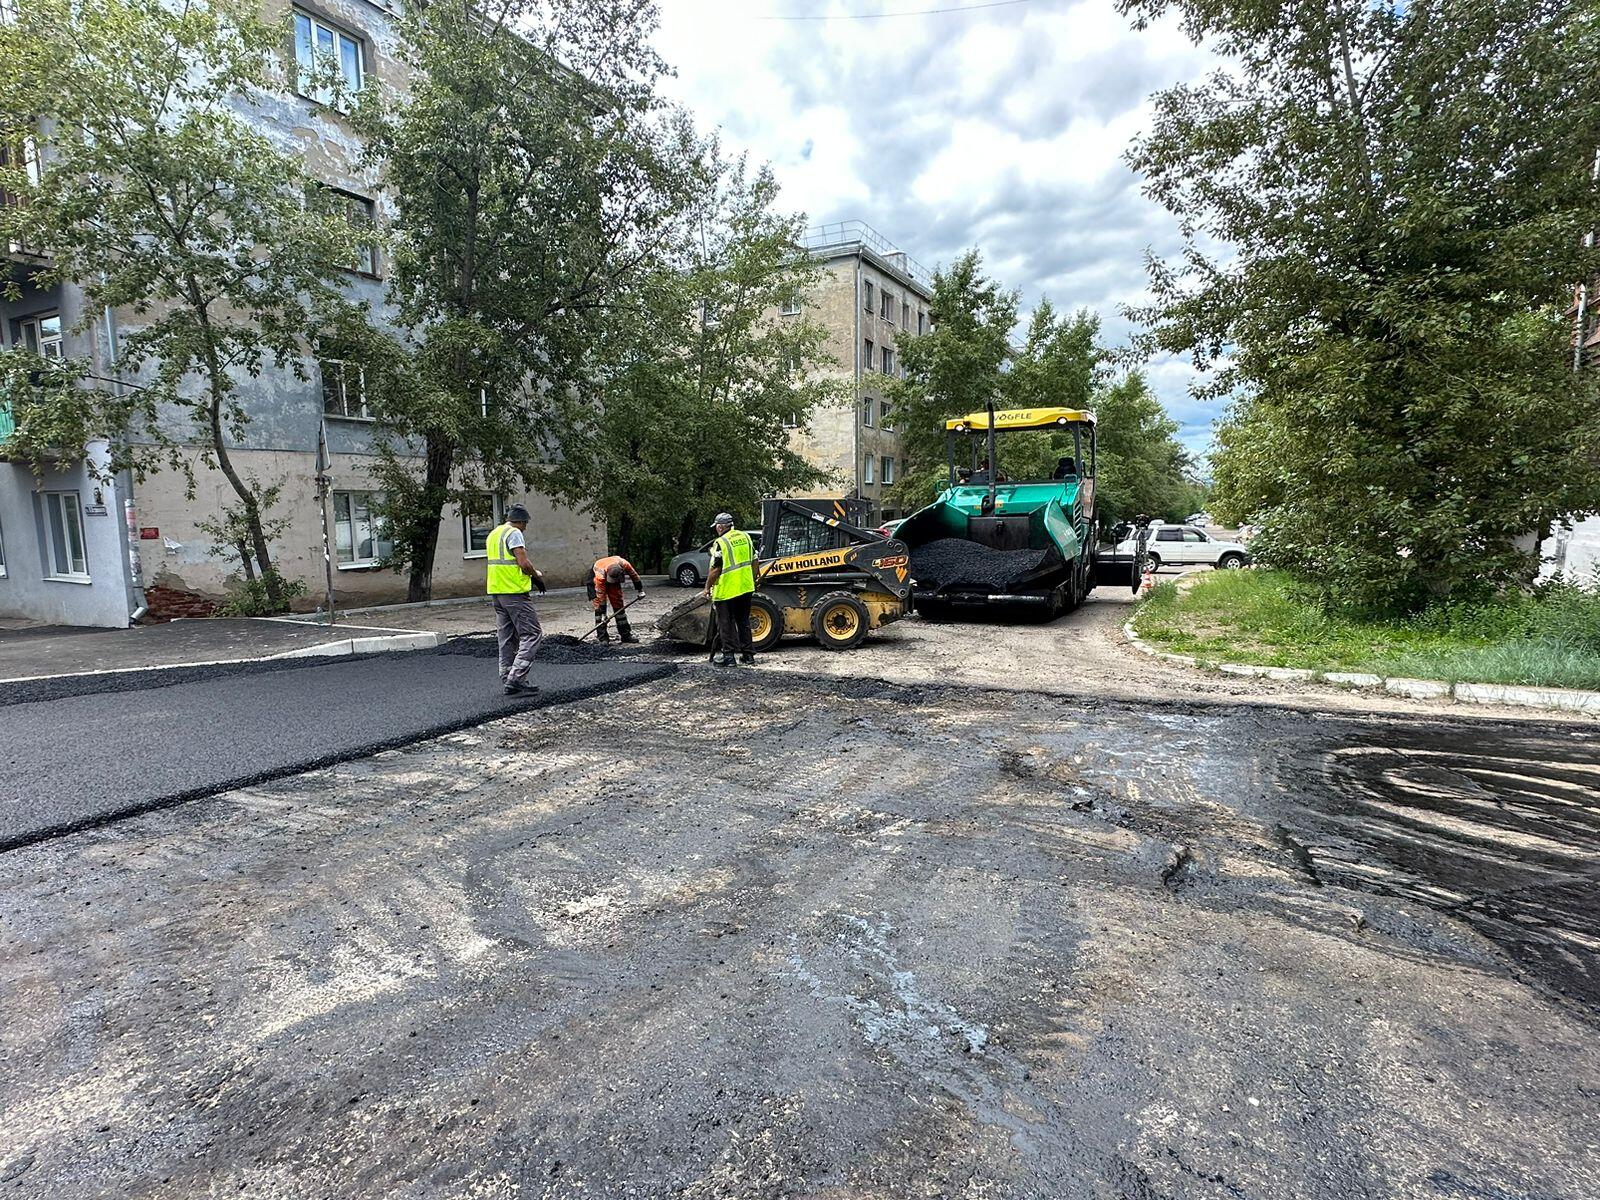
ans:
(1002, 128)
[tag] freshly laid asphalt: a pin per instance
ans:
(78, 761)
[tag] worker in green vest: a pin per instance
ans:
(730, 583)
(511, 580)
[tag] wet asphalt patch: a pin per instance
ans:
(80, 760)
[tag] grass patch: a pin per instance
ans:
(1548, 639)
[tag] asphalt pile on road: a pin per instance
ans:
(955, 563)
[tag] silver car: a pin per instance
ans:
(690, 568)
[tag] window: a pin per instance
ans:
(362, 216)
(866, 357)
(21, 153)
(905, 314)
(886, 306)
(922, 322)
(344, 388)
(1193, 535)
(888, 469)
(480, 513)
(1169, 535)
(888, 361)
(360, 538)
(329, 60)
(791, 420)
(886, 419)
(41, 334)
(866, 410)
(8, 14)
(64, 516)
(790, 306)
(866, 470)
(866, 296)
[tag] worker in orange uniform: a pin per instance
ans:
(606, 588)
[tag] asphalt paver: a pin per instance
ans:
(77, 761)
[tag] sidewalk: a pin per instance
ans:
(56, 651)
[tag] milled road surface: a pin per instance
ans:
(763, 936)
(144, 741)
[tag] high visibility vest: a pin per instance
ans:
(738, 575)
(505, 577)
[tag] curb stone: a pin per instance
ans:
(1564, 699)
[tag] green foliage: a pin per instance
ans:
(534, 176)
(1142, 468)
(705, 375)
(260, 596)
(158, 197)
(1402, 192)
(1547, 637)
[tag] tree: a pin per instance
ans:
(534, 174)
(155, 195)
(1401, 192)
(954, 368)
(708, 374)
(1143, 468)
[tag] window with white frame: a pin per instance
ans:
(8, 11)
(887, 471)
(886, 418)
(328, 60)
(866, 354)
(41, 334)
(480, 513)
(359, 534)
(344, 388)
(63, 517)
(23, 154)
(790, 306)
(888, 361)
(867, 403)
(791, 420)
(866, 295)
(866, 470)
(886, 306)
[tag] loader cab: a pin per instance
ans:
(788, 528)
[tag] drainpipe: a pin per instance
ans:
(130, 517)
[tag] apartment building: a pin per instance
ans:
(1573, 551)
(75, 551)
(871, 297)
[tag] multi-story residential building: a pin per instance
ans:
(1573, 551)
(870, 298)
(71, 548)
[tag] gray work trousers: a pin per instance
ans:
(517, 625)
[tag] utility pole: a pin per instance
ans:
(324, 485)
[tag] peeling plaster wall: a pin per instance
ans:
(284, 406)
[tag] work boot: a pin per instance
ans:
(748, 659)
(725, 661)
(628, 639)
(521, 689)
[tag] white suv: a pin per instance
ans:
(1184, 545)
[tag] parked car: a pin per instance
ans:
(1199, 518)
(690, 568)
(888, 527)
(1184, 545)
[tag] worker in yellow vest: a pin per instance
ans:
(511, 580)
(730, 583)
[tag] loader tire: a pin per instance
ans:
(839, 621)
(766, 624)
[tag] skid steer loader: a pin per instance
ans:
(825, 577)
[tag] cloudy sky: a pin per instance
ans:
(1001, 127)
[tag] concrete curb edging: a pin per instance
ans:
(1564, 699)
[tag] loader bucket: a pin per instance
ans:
(688, 621)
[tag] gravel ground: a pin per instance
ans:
(764, 935)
